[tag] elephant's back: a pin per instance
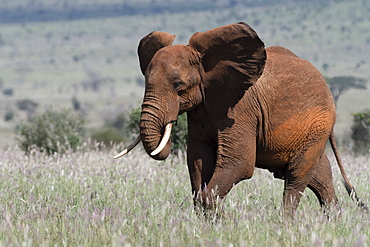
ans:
(280, 50)
(296, 106)
(292, 83)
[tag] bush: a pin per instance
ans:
(179, 135)
(76, 104)
(119, 122)
(29, 106)
(9, 115)
(116, 130)
(8, 92)
(108, 136)
(52, 132)
(361, 132)
(133, 123)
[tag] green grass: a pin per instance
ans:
(88, 199)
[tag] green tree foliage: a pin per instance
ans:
(361, 132)
(76, 104)
(9, 116)
(133, 124)
(179, 135)
(52, 132)
(340, 84)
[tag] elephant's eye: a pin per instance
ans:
(178, 84)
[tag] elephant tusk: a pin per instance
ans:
(166, 137)
(129, 148)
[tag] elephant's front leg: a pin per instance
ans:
(230, 169)
(201, 165)
(231, 162)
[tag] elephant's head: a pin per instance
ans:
(178, 78)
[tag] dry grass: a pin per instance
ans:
(88, 199)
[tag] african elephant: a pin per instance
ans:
(247, 107)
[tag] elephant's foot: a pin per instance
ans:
(332, 210)
(291, 200)
(208, 204)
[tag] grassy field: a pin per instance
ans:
(88, 199)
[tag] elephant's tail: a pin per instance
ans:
(349, 187)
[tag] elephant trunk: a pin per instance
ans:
(154, 119)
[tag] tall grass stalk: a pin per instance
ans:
(89, 199)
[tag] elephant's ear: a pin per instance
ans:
(232, 55)
(150, 44)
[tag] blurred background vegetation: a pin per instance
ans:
(81, 55)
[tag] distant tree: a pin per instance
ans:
(29, 106)
(325, 67)
(2, 42)
(76, 104)
(340, 84)
(140, 81)
(26, 105)
(9, 115)
(361, 132)
(8, 91)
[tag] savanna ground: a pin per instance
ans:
(86, 198)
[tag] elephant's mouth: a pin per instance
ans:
(162, 144)
(165, 138)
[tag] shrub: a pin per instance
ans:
(52, 132)
(140, 81)
(133, 123)
(8, 92)
(115, 130)
(179, 135)
(361, 132)
(29, 106)
(119, 122)
(9, 115)
(76, 104)
(108, 136)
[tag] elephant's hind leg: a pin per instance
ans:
(293, 190)
(299, 175)
(321, 183)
